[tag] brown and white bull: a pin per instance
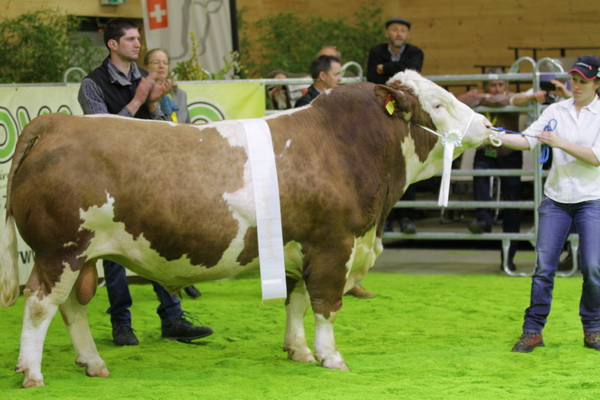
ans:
(174, 203)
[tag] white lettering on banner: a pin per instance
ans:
(268, 210)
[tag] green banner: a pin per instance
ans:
(20, 104)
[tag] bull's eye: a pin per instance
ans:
(437, 106)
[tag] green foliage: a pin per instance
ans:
(290, 41)
(191, 70)
(39, 46)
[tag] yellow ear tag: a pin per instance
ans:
(390, 104)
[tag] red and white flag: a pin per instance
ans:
(168, 23)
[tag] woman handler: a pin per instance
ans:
(571, 194)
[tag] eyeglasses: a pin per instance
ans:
(157, 62)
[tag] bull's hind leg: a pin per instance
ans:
(75, 317)
(295, 336)
(40, 308)
(36, 319)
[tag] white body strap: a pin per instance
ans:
(268, 212)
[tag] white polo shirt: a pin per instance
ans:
(570, 180)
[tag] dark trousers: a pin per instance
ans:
(398, 213)
(510, 189)
(120, 301)
(556, 221)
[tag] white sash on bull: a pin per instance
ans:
(450, 140)
(268, 212)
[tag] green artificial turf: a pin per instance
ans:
(422, 337)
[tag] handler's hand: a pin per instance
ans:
(550, 138)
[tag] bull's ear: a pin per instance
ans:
(392, 101)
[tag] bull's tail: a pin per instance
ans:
(9, 267)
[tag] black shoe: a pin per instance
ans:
(407, 226)
(527, 342)
(480, 226)
(566, 264)
(192, 291)
(184, 331)
(592, 340)
(123, 336)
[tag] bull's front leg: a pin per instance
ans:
(325, 347)
(295, 336)
(325, 281)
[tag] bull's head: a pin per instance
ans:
(458, 126)
(447, 113)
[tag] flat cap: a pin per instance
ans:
(397, 20)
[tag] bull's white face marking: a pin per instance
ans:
(446, 112)
(364, 252)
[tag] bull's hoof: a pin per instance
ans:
(302, 357)
(33, 380)
(99, 372)
(335, 364)
(29, 383)
(19, 369)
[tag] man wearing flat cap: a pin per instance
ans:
(386, 59)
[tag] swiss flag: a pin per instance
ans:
(157, 14)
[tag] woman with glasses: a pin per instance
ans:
(174, 103)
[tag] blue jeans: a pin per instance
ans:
(554, 227)
(120, 301)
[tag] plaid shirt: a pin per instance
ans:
(91, 97)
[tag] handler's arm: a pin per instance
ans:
(581, 153)
(514, 141)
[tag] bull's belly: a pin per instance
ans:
(112, 241)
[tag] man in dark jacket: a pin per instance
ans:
(326, 72)
(120, 87)
(386, 59)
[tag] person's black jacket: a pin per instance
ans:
(308, 97)
(411, 58)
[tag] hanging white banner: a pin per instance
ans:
(168, 23)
